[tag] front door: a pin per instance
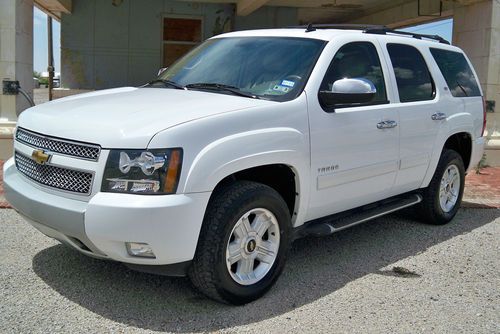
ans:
(354, 156)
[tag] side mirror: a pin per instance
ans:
(161, 70)
(347, 92)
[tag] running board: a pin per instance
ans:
(338, 222)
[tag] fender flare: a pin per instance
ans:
(440, 142)
(237, 152)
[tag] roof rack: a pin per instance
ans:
(384, 30)
(370, 29)
(312, 27)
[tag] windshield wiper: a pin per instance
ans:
(462, 88)
(167, 83)
(221, 87)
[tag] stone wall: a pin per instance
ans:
(16, 53)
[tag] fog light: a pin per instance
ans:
(140, 249)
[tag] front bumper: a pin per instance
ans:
(100, 227)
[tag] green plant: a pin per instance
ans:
(44, 81)
(481, 164)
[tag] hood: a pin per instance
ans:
(127, 117)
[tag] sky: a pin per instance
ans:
(443, 28)
(40, 47)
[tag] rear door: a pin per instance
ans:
(420, 116)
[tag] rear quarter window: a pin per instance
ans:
(457, 73)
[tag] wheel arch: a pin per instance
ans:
(461, 142)
(280, 177)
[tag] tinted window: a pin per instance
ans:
(412, 75)
(456, 72)
(274, 68)
(357, 60)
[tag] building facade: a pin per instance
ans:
(108, 44)
(112, 43)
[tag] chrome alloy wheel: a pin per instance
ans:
(253, 246)
(449, 188)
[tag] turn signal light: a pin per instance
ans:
(173, 172)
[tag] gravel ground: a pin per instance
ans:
(392, 275)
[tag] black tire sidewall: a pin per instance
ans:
(226, 286)
(448, 158)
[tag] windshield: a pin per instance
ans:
(274, 68)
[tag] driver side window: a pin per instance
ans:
(357, 60)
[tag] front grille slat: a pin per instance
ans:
(55, 177)
(74, 149)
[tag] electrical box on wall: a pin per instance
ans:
(10, 87)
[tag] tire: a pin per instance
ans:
(433, 210)
(223, 225)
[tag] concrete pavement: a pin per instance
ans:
(391, 275)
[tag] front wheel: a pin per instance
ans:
(443, 196)
(243, 243)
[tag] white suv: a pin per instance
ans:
(252, 140)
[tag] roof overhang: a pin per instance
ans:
(339, 11)
(54, 8)
(316, 10)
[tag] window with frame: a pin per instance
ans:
(180, 35)
(357, 60)
(413, 77)
(457, 72)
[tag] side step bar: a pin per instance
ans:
(338, 222)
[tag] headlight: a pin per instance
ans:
(142, 171)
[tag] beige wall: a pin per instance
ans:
(476, 30)
(16, 52)
(405, 14)
(16, 63)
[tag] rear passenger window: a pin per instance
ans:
(412, 74)
(357, 60)
(456, 72)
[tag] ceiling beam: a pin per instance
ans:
(54, 8)
(246, 7)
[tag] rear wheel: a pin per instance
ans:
(243, 243)
(443, 196)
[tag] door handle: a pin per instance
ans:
(387, 124)
(439, 116)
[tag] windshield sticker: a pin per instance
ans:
(281, 88)
(288, 83)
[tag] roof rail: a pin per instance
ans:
(312, 27)
(370, 29)
(384, 30)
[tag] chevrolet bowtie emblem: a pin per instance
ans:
(40, 156)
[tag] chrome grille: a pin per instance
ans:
(55, 177)
(74, 149)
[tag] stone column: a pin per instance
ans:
(476, 30)
(16, 63)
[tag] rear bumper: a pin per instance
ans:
(100, 227)
(477, 152)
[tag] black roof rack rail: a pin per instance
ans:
(369, 29)
(384, 30)
(311, 27)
